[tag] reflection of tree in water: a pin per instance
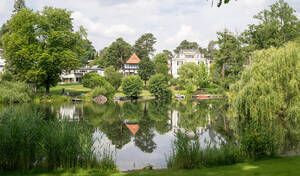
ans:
(158, 111)
(144, 137)
(110, 121)
(117, 132)
(133, 111)
(265, 137)
(193, 115)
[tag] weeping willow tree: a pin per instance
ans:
(267, 94)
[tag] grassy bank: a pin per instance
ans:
(287, 166)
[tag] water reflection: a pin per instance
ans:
(141, 132)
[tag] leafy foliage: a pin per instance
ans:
(113, 77)
(146, 69)
(186, 45)
(19, 5)
(229, 59)
(92, 80)
(106, 90)
(143, 47)
(268, 90)
(117, 54)
(132, 86)
(191, 74)
(158, 86)
(276, 26)
(161, 64)
(40, 46)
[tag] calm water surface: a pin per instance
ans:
(140, 133)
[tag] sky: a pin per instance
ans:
(171, 21)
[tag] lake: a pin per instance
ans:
(141, 133)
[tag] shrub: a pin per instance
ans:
(7, 76)
(132, 86)
(92, 80)
(107, 90)
(15, 92)
(158, 86)
(113, 77)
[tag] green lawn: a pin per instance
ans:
(145, 93)
(73, 89)
(288, 166)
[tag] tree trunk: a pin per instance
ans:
(47, 90)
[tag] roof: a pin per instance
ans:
(184, 51)
(134, 59)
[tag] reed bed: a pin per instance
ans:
(28, 141)
(187, 153)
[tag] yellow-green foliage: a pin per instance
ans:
(15, 92)
(267, 96)
(270, 87)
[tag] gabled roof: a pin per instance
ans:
(134, 59)
(134, 128)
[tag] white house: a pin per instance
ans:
(2, 62)
(184, 56)
(132, 65)
(75, 76)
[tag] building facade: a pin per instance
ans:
(132, 65)
(184, 56)
(75, 76)
(2, 62)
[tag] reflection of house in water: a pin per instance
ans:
(207, 135)
(134, 128)
(70, 112)
(175, 123)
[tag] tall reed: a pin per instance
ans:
(187, 153)
(28, 141)
(15, 92)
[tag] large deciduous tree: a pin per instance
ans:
(229, 59)
(117, 54)
(275, 26)
(88, 52)
(41, 45)
(191, 74)
(144, 46)
(267, 94)
(161, 64)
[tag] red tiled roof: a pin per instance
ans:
(134, 59)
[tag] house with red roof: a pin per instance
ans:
(132, 65)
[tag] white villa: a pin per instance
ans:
(132, 65)
(2, 62)
(189, 55)
(75, 76)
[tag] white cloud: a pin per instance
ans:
(171, 21)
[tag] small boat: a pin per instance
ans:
(76, 100)
(203, 97)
